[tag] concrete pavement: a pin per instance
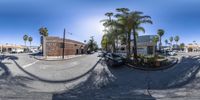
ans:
(61, 70)
(104, 82)
(56, 71)
(178, 82)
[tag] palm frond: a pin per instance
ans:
(104, 20)
(146, 21)
(146, 17)
(141, 29)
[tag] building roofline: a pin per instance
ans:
(66, 39)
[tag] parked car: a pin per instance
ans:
(114, 60)
(172, 53)
(102, 54)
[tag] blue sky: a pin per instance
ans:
(81, 17)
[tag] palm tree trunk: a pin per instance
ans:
(128, 46)
(106, 46)
(113, 47)
(117, 44)
(135, 45)
(171, 45)
(42, 38)
(160, 45)
(25, 43)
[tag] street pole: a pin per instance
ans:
(63, 54)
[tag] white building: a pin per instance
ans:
(145, 45)
(11, 48)
(192, 47)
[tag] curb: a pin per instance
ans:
(56, 59)
(154, 69)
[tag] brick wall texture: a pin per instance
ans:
(54, 46)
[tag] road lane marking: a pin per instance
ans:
(25, 66)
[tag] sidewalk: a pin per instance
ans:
(56, 58)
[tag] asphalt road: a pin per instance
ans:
(81, 78)
(62, 70)
(44, 77)
(178, 82)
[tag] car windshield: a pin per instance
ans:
(99, 49)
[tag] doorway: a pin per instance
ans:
(76, 51)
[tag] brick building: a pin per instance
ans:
(53, 46)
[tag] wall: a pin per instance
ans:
(53, 46)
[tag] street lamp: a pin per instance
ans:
(63, 54)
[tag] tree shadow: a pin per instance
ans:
(176, 77)
(101, 85)
(55, 81)
(7, 78)
(125, 83)
(3, 64)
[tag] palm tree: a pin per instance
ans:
(122, 18)
(166, 42)
(155, 40)
(131, 21)
(108, 22)
(92, 44)
(25, 38)
(136, 19)
(104, 42)
(117, 32)
(182, 45)
(123, 10)
(171, 40)
(113, 30)
(176, 39)
(160, 34)
(109, 15)
(30, 39)
(127, 24)
(43, 32)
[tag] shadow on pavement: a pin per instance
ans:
(4, 67)
(175, 77)
(103, 85)
(127, 83)
(179, 75)
(54, 81)
(7, 78)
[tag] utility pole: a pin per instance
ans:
(63, 54)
